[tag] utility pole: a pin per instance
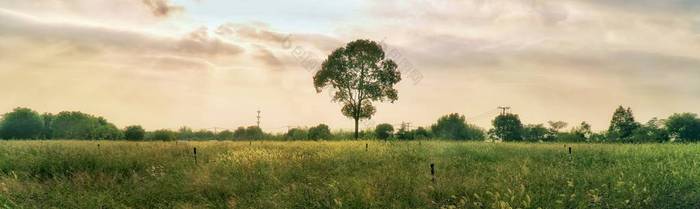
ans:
(258, 118)
(504, 109)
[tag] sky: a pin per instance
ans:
(214, 63)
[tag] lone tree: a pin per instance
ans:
(622, 124)
(507, 127)
(361, 74)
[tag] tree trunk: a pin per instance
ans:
(357, 133)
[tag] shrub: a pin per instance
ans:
(164, 135)
(684, 126)
(454, 126)
(134, 132)
(320, 132)
(296, 134)
(507, 127)
(22, 123)
(384, 131)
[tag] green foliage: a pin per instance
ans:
(454, 126)
(134, 133)
(581, 133)
(47, 133)
(652, 131)
(164, 135)
(361, 74)
(249, 133)
(404, 133)
(421, 133)
(507, 127)
(557, 125)
(296, 134)
(75, 174)
(78, 125)
(537, 132)
(684, 127)
(185, 133)
(384, 131)
(320, 132)
(204, 134)
(225, 135)
(622, 125)
(21, 123)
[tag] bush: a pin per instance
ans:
(78, 125)
(684, 126)
(134, 132)
(225, 135)
(164, 135)
(507, 127)
(250, 133)
(320, 132)
(384, 131)
(538, 132)
(421, 133)
(22, 123)
(404, 134)
(454, 126)
(296, 134)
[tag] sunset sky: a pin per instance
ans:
(209, 63)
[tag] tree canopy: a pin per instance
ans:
(454, 126)
(384, 131)
(320, 132)
(134, 132)
(507, 127)
(622, 124)
(21, 123)
(684, 126)
(360, 74)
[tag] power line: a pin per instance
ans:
(258, 118)
(487, 113)
(504, 108)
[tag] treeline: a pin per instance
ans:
(24, 123)
(680, 127)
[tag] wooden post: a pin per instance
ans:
(432, 171)
(569, 150)
(195, 156)
(366, 147)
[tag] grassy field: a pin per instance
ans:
(80, 174)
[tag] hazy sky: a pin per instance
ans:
(209, 63)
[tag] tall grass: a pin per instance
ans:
(78, 174)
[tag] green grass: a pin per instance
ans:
(76, 174)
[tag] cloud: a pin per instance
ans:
(162, 8)
(261, 33)
(267, 57)
(255, 31)
(100, 38)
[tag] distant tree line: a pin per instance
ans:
(24, 123)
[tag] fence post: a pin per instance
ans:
(366, 147)
(195, 155)
(432, 171)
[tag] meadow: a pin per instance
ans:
(346, 174)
